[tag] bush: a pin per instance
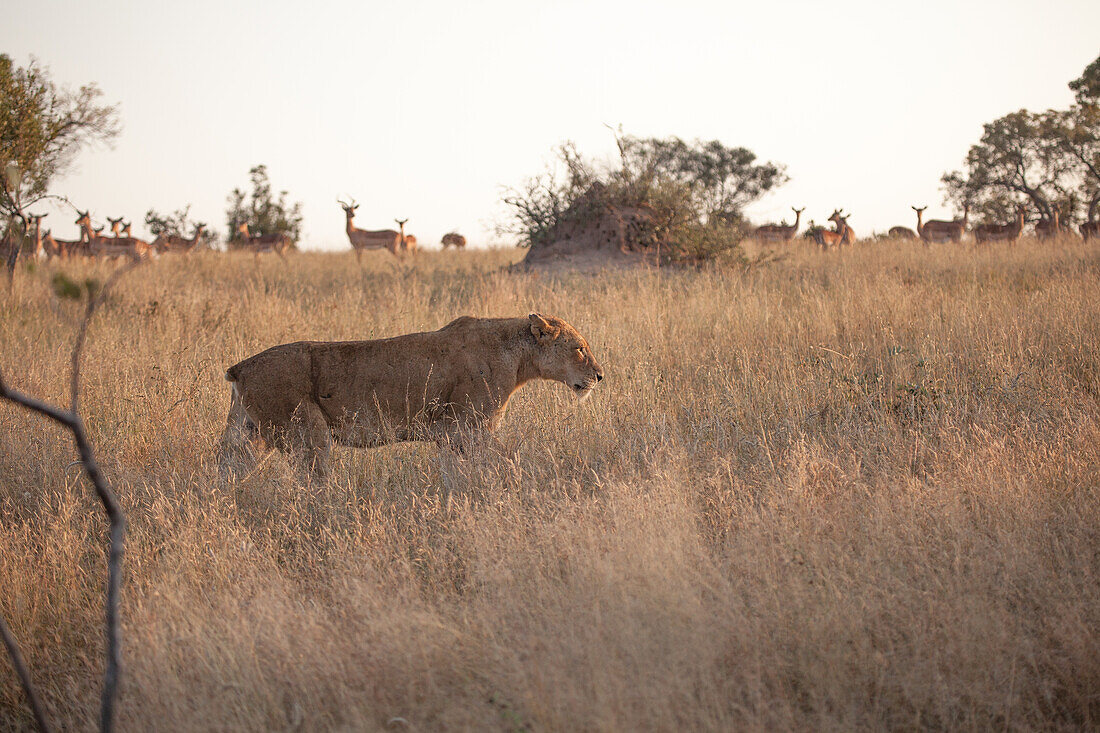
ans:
(685, 199)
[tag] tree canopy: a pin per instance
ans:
(179, 224)
(42, 128)
(1049, 160)
(696, 191)
(261, 210)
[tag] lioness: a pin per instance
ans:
(440, 385)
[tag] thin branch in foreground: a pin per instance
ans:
(24, 676)
(81, 335)
(71, 420)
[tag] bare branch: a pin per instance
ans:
(81, 335)
(24, 676)
(117, 520)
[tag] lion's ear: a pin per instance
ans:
(541, 328)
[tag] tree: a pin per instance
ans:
(178, 223)
(42, 128)
(263, 213)
(1080, 134)
(1017, 158)
(1050, 160)
(694, 193)
(721, 180)
(1086, 88)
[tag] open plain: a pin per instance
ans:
(846, 491)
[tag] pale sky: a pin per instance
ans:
(426, 110)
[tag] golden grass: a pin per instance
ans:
(854, 491)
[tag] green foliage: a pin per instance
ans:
(1048, 160)
(1086, 87)
(811, 230)
(179, 223)
(64, 287)
(1016, 160)
(720, 181)
(692, 195)
(42, 128)
(68, 289)
(263, 213)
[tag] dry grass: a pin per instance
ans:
(832, 492)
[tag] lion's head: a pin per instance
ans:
(564, 355)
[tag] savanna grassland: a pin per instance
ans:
(847, 491)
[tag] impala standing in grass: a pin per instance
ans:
(174, 243)
(1090, 230)
(36, 223)
(278, 243)
(1001, 232)
(363, 239)
(840, 219)
(823, 237)
(408, 241)
(1049, 228)
(938, 231)
(100, 246)
(779, 232)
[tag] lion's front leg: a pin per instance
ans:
(240, 444)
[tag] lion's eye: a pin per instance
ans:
(580, 353)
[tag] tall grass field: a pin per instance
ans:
(845, 491)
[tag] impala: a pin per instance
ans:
(901, 233)
(111, 246)
(840, 220)
(116, 225)
(779, 232)
(453, 239)
(1049, 228)
(166, 243)
(33, 229)
(1091, 227)
(408, 241)
(362, 239)
(126, 229)
(278, 243)
(938, 231)
(63, 248)
(36, 222)
(825, 238)
(1001, 232)
(1090, 230)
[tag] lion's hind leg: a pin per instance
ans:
(309, 441)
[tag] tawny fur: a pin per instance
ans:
(443, 385)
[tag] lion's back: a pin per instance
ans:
(275, 360)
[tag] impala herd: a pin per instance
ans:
(933, 231)
(120, 243)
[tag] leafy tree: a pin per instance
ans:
(1077, 133)
(693, 193)
(179, 224)
(1048, 160)
(1018, 158)
(263, 213)
(720, 181)
(42, 128)
(1087, 86)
